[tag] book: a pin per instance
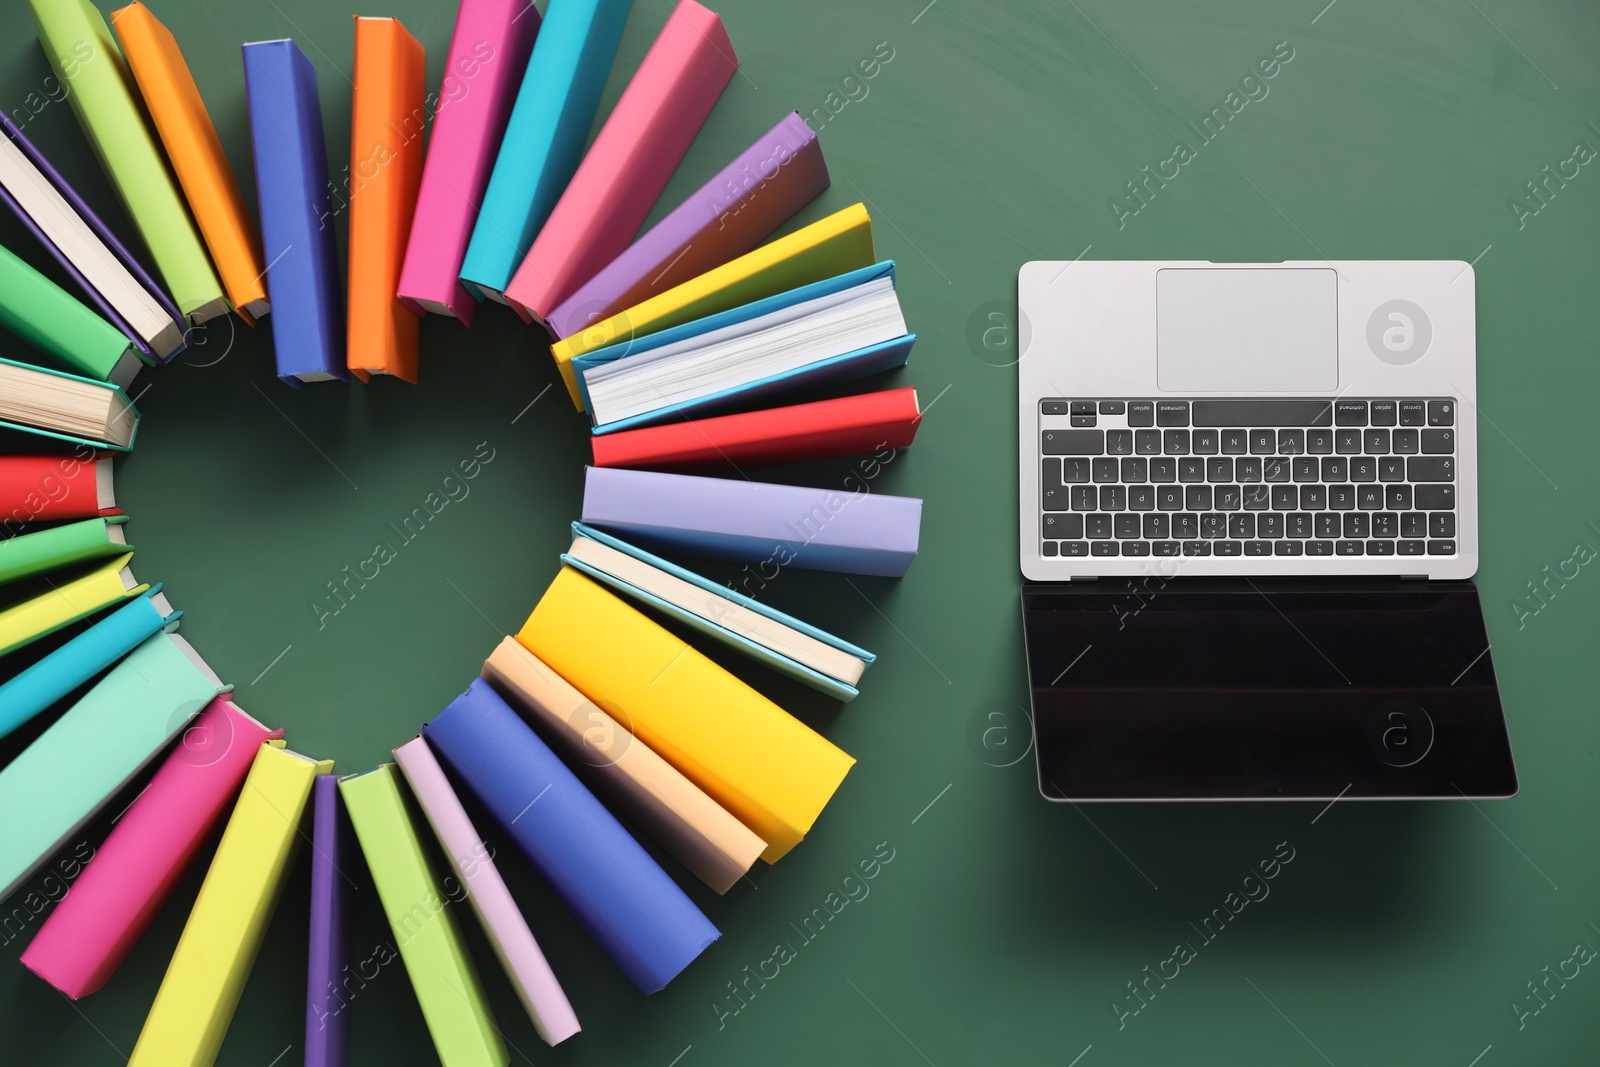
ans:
(834, 245)
(846, 425)
(61, 546)
(86, 248)
(64, 603)
(473, 863)
(102, 98)
(852, 531)
(58, 783)
(64, 669)
(197, 158)
(835, 330)
(627, 903)
(744, 624)
(544, 136)
(327, 1021)
(67, 407)
(630, 162)
(44, 488)
(297, 232)
(386, 167)
(133, 872)
(739, 207)
(206, 976)
(488, 56)
(772, 771)
(626, 774)
(417, 902)
(58, 325)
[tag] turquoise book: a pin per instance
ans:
(51, 791)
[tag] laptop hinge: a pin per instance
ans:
(1413, 577)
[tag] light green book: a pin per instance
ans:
(64, 778)
(83, 54)
(50, 550)
(56, 323)
(423, 917)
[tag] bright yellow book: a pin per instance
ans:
(207, 974)
(64, 603)
(772, 771)
(839, 243)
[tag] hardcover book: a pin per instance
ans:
(57, 324)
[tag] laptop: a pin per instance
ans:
(1249, 520)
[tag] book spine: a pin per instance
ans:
(44, 488)
(54, 322)
(65, 604)
(54, 549)
(327, 1021)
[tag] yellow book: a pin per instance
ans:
(207, 974)
(64, 603)
(772, 771)
(839, 243)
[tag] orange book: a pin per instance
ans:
(196, 156)
(385, 173)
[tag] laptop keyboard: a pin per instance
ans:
(1248, 477)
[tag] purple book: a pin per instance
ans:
(327, 997)
(163, 348)
(725, 218)
(851, 529)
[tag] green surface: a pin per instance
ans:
(1004, 930)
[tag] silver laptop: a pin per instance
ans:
(1249, 509)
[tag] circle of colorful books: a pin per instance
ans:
(676, 342)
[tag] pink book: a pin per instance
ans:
(488, 54)
(630, 162)
(123, 886)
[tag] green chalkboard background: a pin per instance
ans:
(1003, 929)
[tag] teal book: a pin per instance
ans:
(50, 792)
(544, 138)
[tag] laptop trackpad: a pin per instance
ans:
(1248, 331)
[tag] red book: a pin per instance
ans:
(841, 427)
(47, 487)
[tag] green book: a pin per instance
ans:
(79, 45)
(423, 917)
(62, 546)
(56, 323)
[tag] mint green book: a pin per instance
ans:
(51, 550)
(61, 781)
(424, 922)
(62, 327)
(82, 53)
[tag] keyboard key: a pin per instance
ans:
(1438, 442)
(1228, 498)
(1275, 469)
(1258, 548)
(1112, 407)
(1411, 548)
(1347, 548)
(1391, 468)
(1242, 527)
(1074, 469)
(1405, 443)
(1197, 548)
(1097, 526)
(1102, 548)
(1442, 524)
(1147, 442)
(1383, 412)
(1073, 442)
(1126, 525)
(1363, 468)
(1297, 524)
(1257, 497)
(1113, 498)
(1172, 413)
(1263, 442)
(1441, 413)
(1235, 442)
(1051, 549)
(1285, 498)
(1119, 442)
(1164, 548)
(1056, 526)
(1104, 470)
(1313, 497)
(1306, 468)
(1163, 469)
(1328, 525)
(1175, 442)
(1291, 442)
(1269, 524)
(1335, 470)
(1375, 443)
(1341, 497)
(1357, 524)
(1083, 407)
(1347, 442)
(1205, 443)
(1185, 527)
(1397, 498)
(1263, 413)
(1441, 548)
(1053, 497)
(1054, 407)
(1413, 524)
(1135, 470)
(1157, 526)
(1287, 548)
(1141, 413)
(1247, 469)
(1369, 497)
(1197, 498)
(1169, 497)
(1213, 526)
(1380, 548)
(1219, 470)
(1385, 524)
(1141, 497)
(1350, 413)
(1191, 470)
(1085, 498)
(1319, 548)
(1083, 420)
(1431, 469)
(1320, 442)
(1413, 413)
(1224, 548)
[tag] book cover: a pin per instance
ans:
(195, 152)
(297, 232)
(544, 136)
(58, 783)
(65, 603)
(623, 898)
(61, 546)
(765, 766)
(737, 209)
(839, 243)
(107, 640)
(327, 1020)
(44, 488)
(89, 934)
(386, 167)
(103, 100)
(116, 432)
(844, 426)
(488, 57)
(850, 531)
(626, 773)
(632, 158)
(207, 973)
(473, 863)
(418, 902)
(57, 324)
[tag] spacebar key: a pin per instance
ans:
(1229, 413)
(1073, 442)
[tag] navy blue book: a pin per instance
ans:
(296, 213)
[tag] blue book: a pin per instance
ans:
(83, 657)
(622, 896)
(544, 138)
(296, 213)
(810, 366)
(719, 612)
